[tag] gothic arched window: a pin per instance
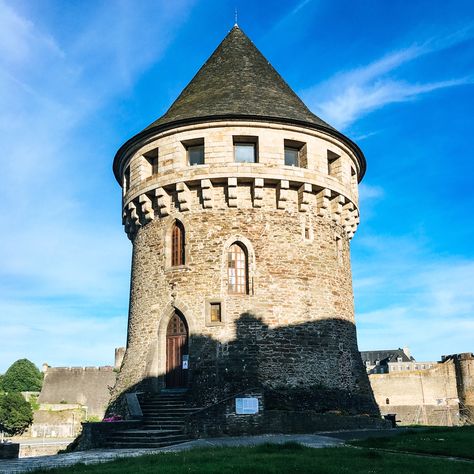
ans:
(237, 269)
(177, 244)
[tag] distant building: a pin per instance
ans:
(377, 362)
(392, 360)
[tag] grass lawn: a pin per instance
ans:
(270, 459)
(456, 441)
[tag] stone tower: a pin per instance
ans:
(241, 204)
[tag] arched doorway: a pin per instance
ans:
(176, 352)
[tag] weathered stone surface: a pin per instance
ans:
(88, 386)
(428, 397)
(293, 334)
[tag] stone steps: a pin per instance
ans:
(163, 424)
(138, 445)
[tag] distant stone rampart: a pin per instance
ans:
(86, 386)
(442, 395)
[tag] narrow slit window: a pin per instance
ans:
(177, 244)
(126, 179)
(339, 250)
(237, 269)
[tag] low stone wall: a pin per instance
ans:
(221, 419)
(94, 435)
(42, 449)
(87, 386)
(425, 397)
(430, 415)
(57, 423)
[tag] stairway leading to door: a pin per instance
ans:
(163, 423)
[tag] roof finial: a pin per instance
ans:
(235, 16)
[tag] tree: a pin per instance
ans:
(22, 376)
(15, 413)
(1, 383)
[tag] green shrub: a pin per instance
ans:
(22, 376)
(35, 406)
(15, 413)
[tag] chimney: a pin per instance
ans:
(406, 350)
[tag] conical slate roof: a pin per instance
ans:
(237, 80)
(236, 83)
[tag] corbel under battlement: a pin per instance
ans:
(186, 196)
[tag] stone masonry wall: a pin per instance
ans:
(293, 336)
(427, 397)
(87, 386)
(464, 364)
(294, 333)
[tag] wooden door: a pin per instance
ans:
(176, 348)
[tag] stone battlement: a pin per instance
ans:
(105, 368)
(87, 386)
(325, 180)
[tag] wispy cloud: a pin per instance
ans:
(58, 334)
(61, 231)
(352, 94)
(407, 296)
(368, 192)
(17, 34)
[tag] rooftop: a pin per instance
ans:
(237, 83)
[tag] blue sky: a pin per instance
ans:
(78, 78)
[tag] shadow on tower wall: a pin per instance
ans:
(301, 374)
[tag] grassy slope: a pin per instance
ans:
(458, 441)
(270, 459)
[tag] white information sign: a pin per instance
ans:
(246, 406)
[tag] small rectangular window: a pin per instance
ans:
(292, 156)
(245, 149)
(196, 155)
(194, 151)
(216, 316)
(333, 164)
(151, 158)
(295, 153)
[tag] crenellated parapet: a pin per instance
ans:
(159, 177)
(257, 193)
